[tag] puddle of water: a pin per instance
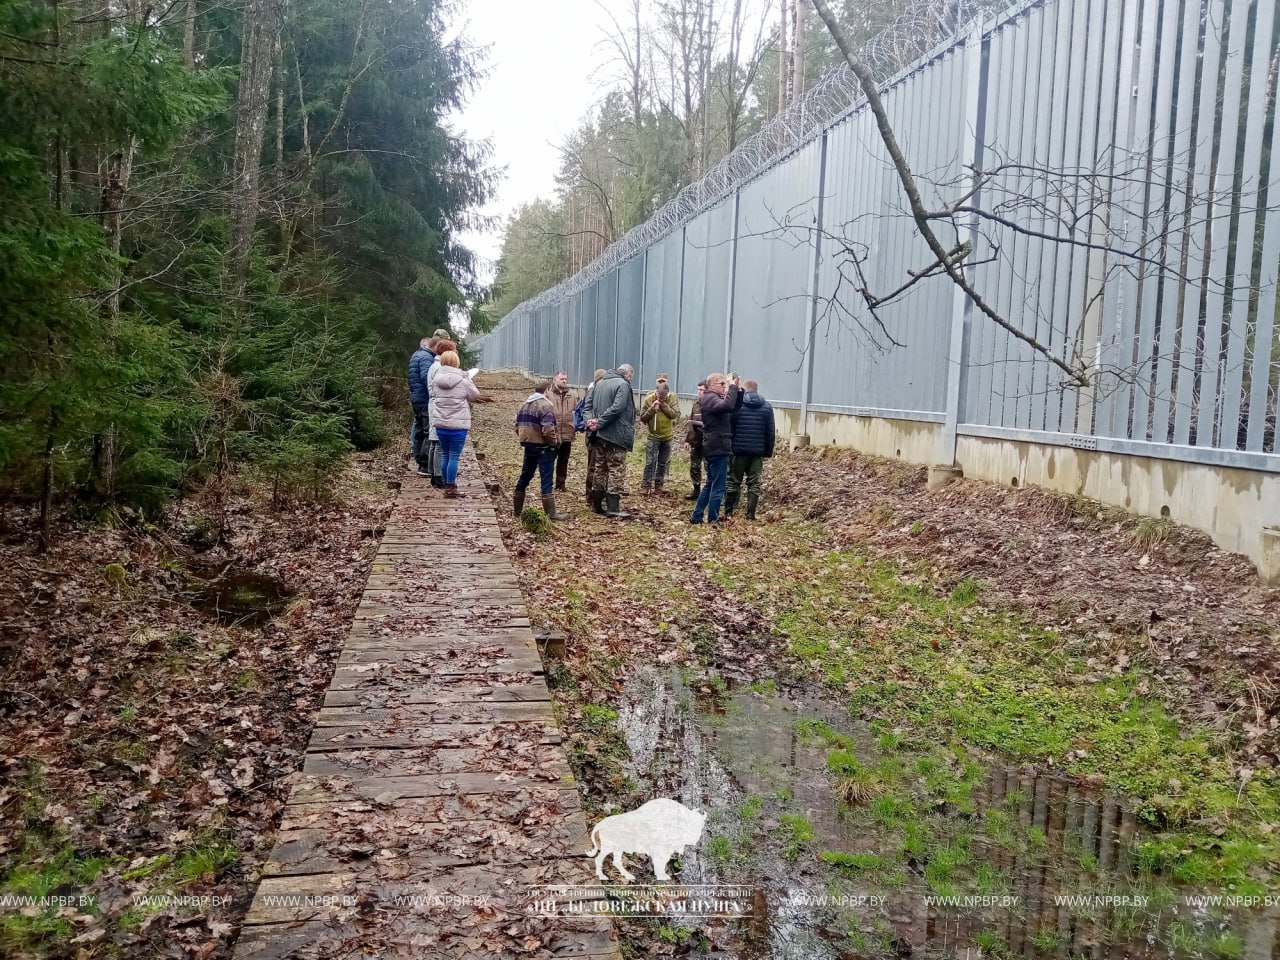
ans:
(246, 599)
(750, 759)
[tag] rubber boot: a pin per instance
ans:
(549, 507)
(697, 489)
(612, 509)
(730, 504)
(752, 500)
(657, 488)
(517, 502)
(597, 501)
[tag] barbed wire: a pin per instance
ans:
(926, 30)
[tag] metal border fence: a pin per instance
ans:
(1141, 132)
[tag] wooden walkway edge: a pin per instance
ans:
(435, 797)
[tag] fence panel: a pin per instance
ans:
(776, 223)
(661, 326)
(606, 352)
(628, 342)
(1128, 222)
(705, 298)
(587, 325)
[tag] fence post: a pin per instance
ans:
(806, 385)
(675, 373)
(617, 314)
(733, 280)
(638, 363)
(976, 54)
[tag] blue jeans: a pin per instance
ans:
(542, 458)
(451, 443)
(713, 493)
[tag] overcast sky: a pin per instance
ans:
(542, 77)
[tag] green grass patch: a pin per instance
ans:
(944, 669)
(853, 862)
(798, 833)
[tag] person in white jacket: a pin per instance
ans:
(452, 391)
(432, 443)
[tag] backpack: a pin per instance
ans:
(580, 416)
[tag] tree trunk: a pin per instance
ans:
(46, 487)
(189, 35)
(261, 21)
(797, 51)
(782, 56)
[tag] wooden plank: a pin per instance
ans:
(435, 795)
(362, 739)
(408, 656)
(331, 789)
(549, 802)
(435, 713)
(500, 594)
(442, 692)
(293, 899)
(378, 846)
(388, 675)
(364, 632)
(544, 756)
(502, 611)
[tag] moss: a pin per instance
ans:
(535, 521)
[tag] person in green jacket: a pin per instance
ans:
(659, 412)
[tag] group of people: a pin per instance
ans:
(730, 431)
(441, 394)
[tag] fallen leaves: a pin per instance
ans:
(148, 748)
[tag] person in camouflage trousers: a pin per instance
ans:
(613, 419)
(593, 448)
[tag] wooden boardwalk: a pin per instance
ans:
(435, 795)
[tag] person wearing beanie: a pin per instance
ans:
(754, 433)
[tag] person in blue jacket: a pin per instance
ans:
(419, 397)
(753, 436)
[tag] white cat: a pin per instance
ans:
(658, 829)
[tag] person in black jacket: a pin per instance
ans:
(753, 436)
(718, 404)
